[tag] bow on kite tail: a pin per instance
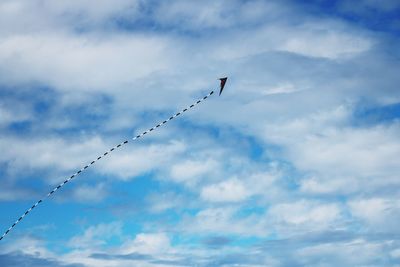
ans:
(223, 81)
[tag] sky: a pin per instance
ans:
(295, 164)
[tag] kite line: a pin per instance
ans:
(223, 81)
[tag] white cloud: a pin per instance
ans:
(265, 184)
(334, 254)
(29, 154)
(295, 81)
(47, 15)
(285, 88)
(324, 185)
(10, 115)
(224, 14)
(67, 155)
(147, 243)
(353, 151)
(341, 159)
(395, 253)
(71, 62)
(98, 12)
(306, 215)
(190, 171)
(231, 190)
(128, 164)
(151, 246)
(195, 14)
(376, 212)
(86, 193)
(16, 193)
(325, 43)
(160, 202)
(224, 220)
(325, 39)
(95, 236)
(28, 245)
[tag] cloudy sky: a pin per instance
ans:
(296, 164)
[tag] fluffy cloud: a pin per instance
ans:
(128, 165)
(45, 153)
(305, 215)
(339, 158)
(95, 236)
(189, 171)
(8, 115)
(41, 154)
(224, 220)
(66, 61)
(295, 165)
(227, 191)
(378, 213)
(147, 244)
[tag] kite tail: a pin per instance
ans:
(100, 157)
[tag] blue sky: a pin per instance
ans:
(296, 164)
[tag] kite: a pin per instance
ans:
(223, 81)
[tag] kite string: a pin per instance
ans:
(98, 158)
